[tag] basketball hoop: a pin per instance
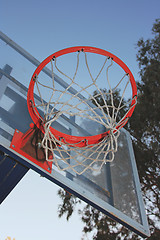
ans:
(79, 153)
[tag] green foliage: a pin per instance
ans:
(107, 97)
(144, 126)
(68, 205)
(148, 51)
(105, 227)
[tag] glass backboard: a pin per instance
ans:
(115, 190)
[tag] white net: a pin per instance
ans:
(85, 101)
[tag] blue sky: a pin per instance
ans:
(41, 28)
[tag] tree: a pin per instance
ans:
(144, 126)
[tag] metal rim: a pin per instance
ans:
(69, 138)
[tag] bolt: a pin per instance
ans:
(39, 145)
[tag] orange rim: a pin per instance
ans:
(79, 141)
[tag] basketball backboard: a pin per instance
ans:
(115, 190)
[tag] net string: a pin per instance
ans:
(67, 156)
